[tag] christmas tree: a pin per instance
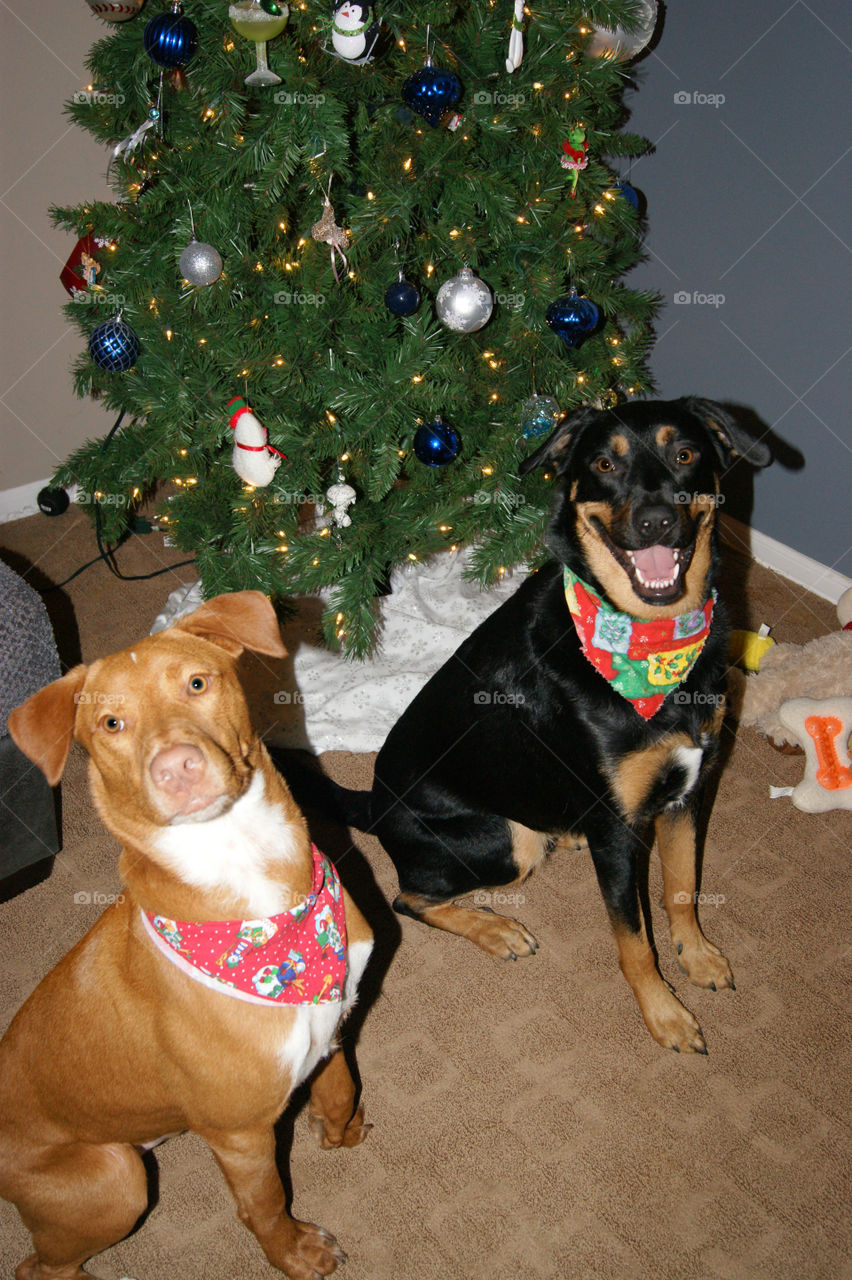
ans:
(394, 271)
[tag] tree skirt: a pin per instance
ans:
(337, 704)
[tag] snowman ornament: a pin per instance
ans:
(354, 31)
(254, 460)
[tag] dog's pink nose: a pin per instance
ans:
(178, 768)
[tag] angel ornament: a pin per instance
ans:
(326, 231)
(516, 39)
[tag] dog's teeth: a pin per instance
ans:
(658, 584)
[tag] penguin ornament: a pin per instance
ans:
(354, 31)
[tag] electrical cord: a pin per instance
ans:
(105, 553)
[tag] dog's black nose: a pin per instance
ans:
(653, 520)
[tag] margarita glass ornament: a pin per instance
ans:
(259, 21)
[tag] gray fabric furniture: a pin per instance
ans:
(29, 832)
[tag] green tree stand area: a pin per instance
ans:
(309, 199)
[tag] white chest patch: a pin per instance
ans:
(235, 850)
(311, 1035)
(689, 759)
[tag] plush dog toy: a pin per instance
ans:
(801, 697)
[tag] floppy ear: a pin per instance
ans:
(241, 620)
(43, 725)
(557, 447)
(731, 441)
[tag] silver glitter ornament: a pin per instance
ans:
(200, 263)
(464, 303)
(623, 45)
(539, 415)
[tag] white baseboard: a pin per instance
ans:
(23, 501)
(15, 504)
(824, 582)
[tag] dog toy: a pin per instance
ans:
(748, 647)
(801, 699)
(823, 729)
(254, 459)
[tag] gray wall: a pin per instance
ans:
(749, 217)
(44, 160)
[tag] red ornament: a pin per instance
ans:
(78, 274)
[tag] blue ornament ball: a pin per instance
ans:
(170, 39)
(431, 92)
(402, 298)
(114, 346)
(629, 193)
(436, 443)
(573, 318)
(539, 415)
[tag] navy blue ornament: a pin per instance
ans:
(114, 346)
(431, 92)
(630, 195)
(402, 298)
(436, 443)
(573, 318)
(170, 39)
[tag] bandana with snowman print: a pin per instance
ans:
(297, 957)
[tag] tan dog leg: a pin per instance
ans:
(703, 963)
(247, 1159)
(79, 1200)
(669, 1022)
(334, 1118)
(498, 935)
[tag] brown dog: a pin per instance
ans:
(119, 1045)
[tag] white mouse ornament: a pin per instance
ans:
(354, 31)
(255, 461)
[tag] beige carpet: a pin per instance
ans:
(526, 1125)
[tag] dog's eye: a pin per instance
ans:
(685, 456)
(198, 684)
(112, 724)
(604, 464)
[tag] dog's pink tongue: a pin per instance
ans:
(656, 564)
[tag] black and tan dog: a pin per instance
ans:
(519, 743)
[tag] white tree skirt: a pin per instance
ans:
(338, 704)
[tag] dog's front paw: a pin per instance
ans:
(313, 1253)
(330, 1136)
(670, 1023)
(704, 964)
(501, 936)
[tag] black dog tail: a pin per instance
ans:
(316, 793)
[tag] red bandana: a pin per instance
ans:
(297, 957)
(643, 661)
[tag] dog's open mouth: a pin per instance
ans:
(656, 573)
